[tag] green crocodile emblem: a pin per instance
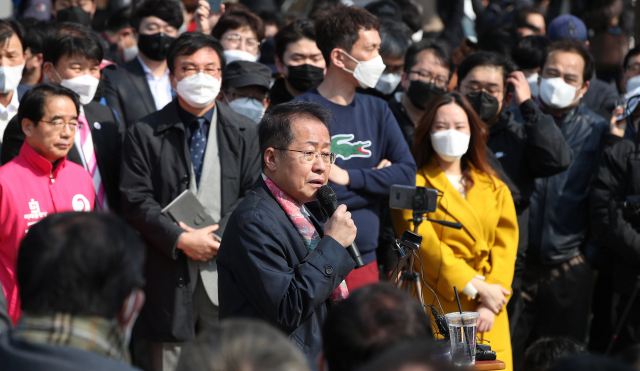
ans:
(341, 145)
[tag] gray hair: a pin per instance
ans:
(396, 39)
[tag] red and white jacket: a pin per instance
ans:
(30, 189)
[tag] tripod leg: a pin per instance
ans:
(627, 309)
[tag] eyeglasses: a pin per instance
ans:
(426, 76)
(310, 156)
(212, 71)
(58, 125)
(235, 40)
(494, 91)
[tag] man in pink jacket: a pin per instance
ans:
(40, 181)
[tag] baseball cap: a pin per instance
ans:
(244, 73)
(567, 26)
(385, 9)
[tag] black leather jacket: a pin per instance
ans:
(559, 218)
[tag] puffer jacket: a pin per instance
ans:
(559, 210)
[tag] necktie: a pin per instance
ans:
(90, 159)
(198, 146)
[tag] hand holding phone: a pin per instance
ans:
(521, 90)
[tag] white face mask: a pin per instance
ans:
(198, 90)
(129, 54)
(10, 77)
(417, 36)
(450, 144)
(367, 73)
(85, 86)
(388, 82)
(556, 93)
(248, 107)
(239, 55)
(533, 85)
(633, 83)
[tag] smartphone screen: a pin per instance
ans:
(214, 5)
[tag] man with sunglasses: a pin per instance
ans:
(195, 144)
(276, 261)
(40, 181)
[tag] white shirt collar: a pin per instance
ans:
(13, 105)
(148, 72)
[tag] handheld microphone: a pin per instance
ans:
(329, 203)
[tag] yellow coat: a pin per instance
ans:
(486, 245)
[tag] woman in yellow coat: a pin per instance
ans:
(450, 150)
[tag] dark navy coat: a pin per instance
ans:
(265, 271)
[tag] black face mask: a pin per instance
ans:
(485, 105)
(420, 93)
(305, 76)
(155, 46)
(73, 14)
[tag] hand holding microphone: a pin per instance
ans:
(340, 226)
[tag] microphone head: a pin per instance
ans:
(326, 195)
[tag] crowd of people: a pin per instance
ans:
(522, 116)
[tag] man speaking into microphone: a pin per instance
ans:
(276, 261)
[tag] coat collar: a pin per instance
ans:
(139, 81)
(470, 211)
(171, 118)
(39, 163)
(261, 188)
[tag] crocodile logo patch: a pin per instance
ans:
(341, 145)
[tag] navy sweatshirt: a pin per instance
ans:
(365, 132)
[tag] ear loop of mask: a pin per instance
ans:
(352, 58)
(130, 305)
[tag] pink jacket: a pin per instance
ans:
(29, 191)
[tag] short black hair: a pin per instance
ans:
(70, 39)
(423, 354)
(118, 20)
(339, 27)
(79, 263)
(545, 352)
(520, 18)
(485, 59)
(632, 53)
(527, 53)
(571, 45)
(274, 130)
(590, 362)
(167, 10)
(396, 39)
(238, 19)
(190, 42)
(437, 47)
(499, 40)
(241, 345)
(35, 32)
(370, 320)
(271, 17)
(8, 28)
(411, 15)
(32, 103)
(293, 32)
